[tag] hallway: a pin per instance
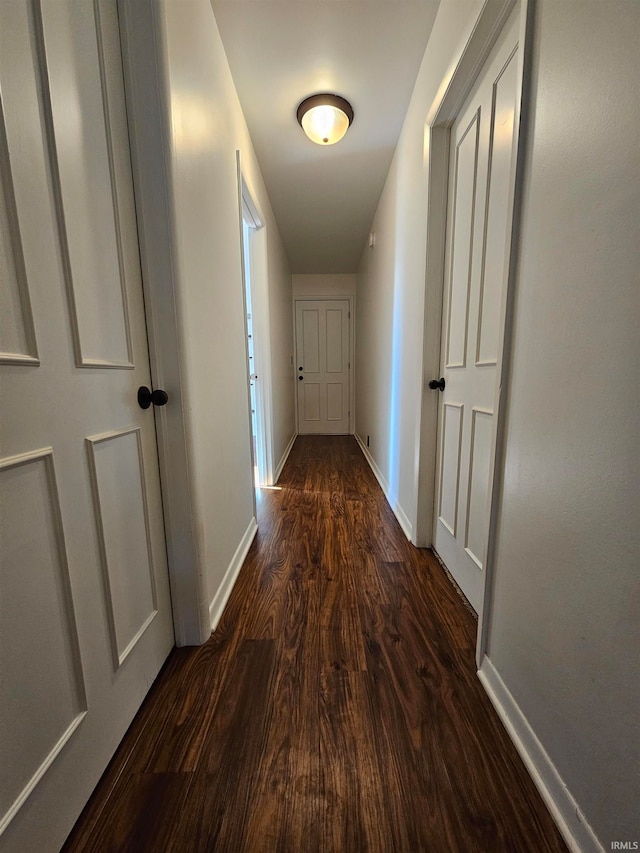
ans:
(336, 707)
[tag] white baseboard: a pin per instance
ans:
(565, 811)
(399, 513)
(284, 458)
(224, 590)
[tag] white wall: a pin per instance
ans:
(563, 637)
(206, 128)
(391, 277)
(564, 634)
(335, 286)
(283, 426)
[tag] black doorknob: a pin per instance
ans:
(147, 397)
(300, 378)
(436, 384)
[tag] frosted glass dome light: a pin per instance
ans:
(325, 118)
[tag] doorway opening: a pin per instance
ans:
(257, 445)
(251, 362)
(257, 335)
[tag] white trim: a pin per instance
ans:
(564, 809)
(257, 279)
(21, 799)
(399, 513)
(525, 37)
(250, 213)
(147, 102)
(221, 597)
(284, 458)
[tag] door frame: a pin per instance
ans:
(452, 93)
(331, 298)
(260, 322)
(147, 102)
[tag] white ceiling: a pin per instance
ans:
(281, 51)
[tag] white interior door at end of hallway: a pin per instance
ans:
(478, 223)
(323, 366)
(85, 615)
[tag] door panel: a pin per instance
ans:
(322, 352)
(311, 341)
(478, 492)
(492, 284)
(85, 618)
(311, 401)
(335, 355)
(38, 627)
(17, 336)
(481, 173)
(450, 477)
(125, 539)
(464, 192)
(88, 178)
(335, 400)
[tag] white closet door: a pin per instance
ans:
(481, 165)
(85, 618)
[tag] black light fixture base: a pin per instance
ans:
(322, 99)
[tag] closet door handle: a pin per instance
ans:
(146, 397)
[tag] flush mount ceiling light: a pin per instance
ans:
(325, 118)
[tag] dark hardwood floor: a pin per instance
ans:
(336, 708)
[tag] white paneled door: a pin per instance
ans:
(322, 366)
(480, 203)
(85, 618)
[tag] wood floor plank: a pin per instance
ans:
(285, 815)
(177, 744)
(140, 733)
(336, 709)
(147, 814)
(355, 788)
(220, 798)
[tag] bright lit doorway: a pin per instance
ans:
(251, 353)
(257, 344)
